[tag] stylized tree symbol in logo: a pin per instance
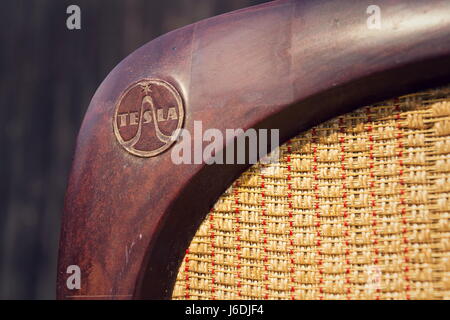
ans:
(147, 117)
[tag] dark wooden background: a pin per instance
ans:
(48, 75)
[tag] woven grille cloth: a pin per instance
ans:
(357, 208)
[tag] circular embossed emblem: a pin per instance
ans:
(147, 117)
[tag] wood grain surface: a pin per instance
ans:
(48, 75)
(286, 65)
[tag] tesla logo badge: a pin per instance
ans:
(147, 117)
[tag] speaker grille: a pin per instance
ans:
(357, 208)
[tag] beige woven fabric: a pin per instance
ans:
(357, 208)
